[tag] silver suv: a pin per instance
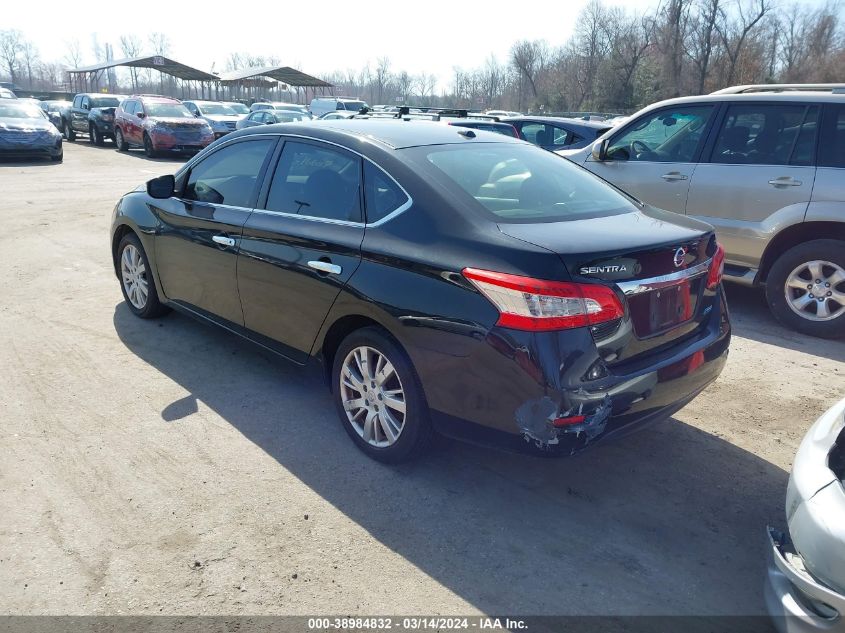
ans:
(765, 165)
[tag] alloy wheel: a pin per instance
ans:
(815, 290)
(134, 275)
(372, 396)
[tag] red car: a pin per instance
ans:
(159, 125)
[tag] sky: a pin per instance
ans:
(315, 36)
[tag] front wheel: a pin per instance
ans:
(94, 135)
(149, 150)
(139, 289)
(379, 397)
(805, 288)
(69, 133)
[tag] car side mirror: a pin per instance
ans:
(162, 187)
(599, 149)
(85, 106)
(140, 115)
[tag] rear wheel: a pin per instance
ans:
(136, 279)
(69, 133)
(149, 150)
(805, 288)
(379, 397)
(119, 141)
(94, 135)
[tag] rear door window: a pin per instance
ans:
(316, 181)
(381, 194)
(767, 134)
(671, 135)
(832, 149)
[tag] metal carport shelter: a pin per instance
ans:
(87, 78)
(236, 80)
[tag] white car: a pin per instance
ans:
(322, 105)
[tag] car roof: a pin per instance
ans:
(774, 97)
(392, 133)
(559, 119)
(156, 99)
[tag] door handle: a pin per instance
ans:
(785, 181)
(672, 176)
(223, 240)
(325, 267)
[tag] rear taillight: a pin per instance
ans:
(717, 267)
(537, 305)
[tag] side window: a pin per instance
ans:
(138, 109)
(381, 194)
(86, 103)
(767, 134)
(666, 136)
(77, 101)
(257, 116)
(561, 136)
(536, 133)
(318, 182)
(229, 175)
(129, 107)
(832, 150)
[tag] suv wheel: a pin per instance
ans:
(136, 279)
(379, 398)
(94, 135)
(69, 133)
(119, 141)
(806, 288)
(148, 146)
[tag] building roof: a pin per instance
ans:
(156, 62)
(285, 74)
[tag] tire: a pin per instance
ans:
(148, 146)
(415, 433)
(69, 133)
(119, 141)
(146, 308)
(94, 135)
(798, 307)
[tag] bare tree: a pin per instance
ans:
(131, 46)
(382, 76)
(73, 53)
(29, 54)
(702, 38)
(11, 48)
(528, 58)
(160, 43)
(735, 28)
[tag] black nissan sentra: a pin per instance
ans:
(442, 279)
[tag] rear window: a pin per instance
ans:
(104, 102)
(353, 105)
(522, 183)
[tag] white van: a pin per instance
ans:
(320, 106)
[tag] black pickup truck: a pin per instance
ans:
(91, 114)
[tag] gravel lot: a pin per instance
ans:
(168, 467)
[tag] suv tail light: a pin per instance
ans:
(717, 267)
(539, 305)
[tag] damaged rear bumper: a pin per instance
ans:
(533, 391)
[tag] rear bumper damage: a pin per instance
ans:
(550, 392)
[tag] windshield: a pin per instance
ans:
(216, 108)
(288, 108)
(238, 108)
(167, 110)
(20, 111)
(523, 183)
(104, 102)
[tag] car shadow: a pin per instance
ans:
(83, 142)
(751, 318)
(25, 162)
(667, 521)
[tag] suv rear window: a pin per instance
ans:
(832, 146)
(523, 183)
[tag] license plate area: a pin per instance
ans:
(662, 309)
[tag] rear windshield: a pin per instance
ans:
(524, 183)
(353, 105)
(104, 102)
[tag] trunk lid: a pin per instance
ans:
(658, 261)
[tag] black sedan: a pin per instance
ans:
(442, 279)
(26, 132)
(557, 133)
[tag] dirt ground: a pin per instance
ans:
(167, 467)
